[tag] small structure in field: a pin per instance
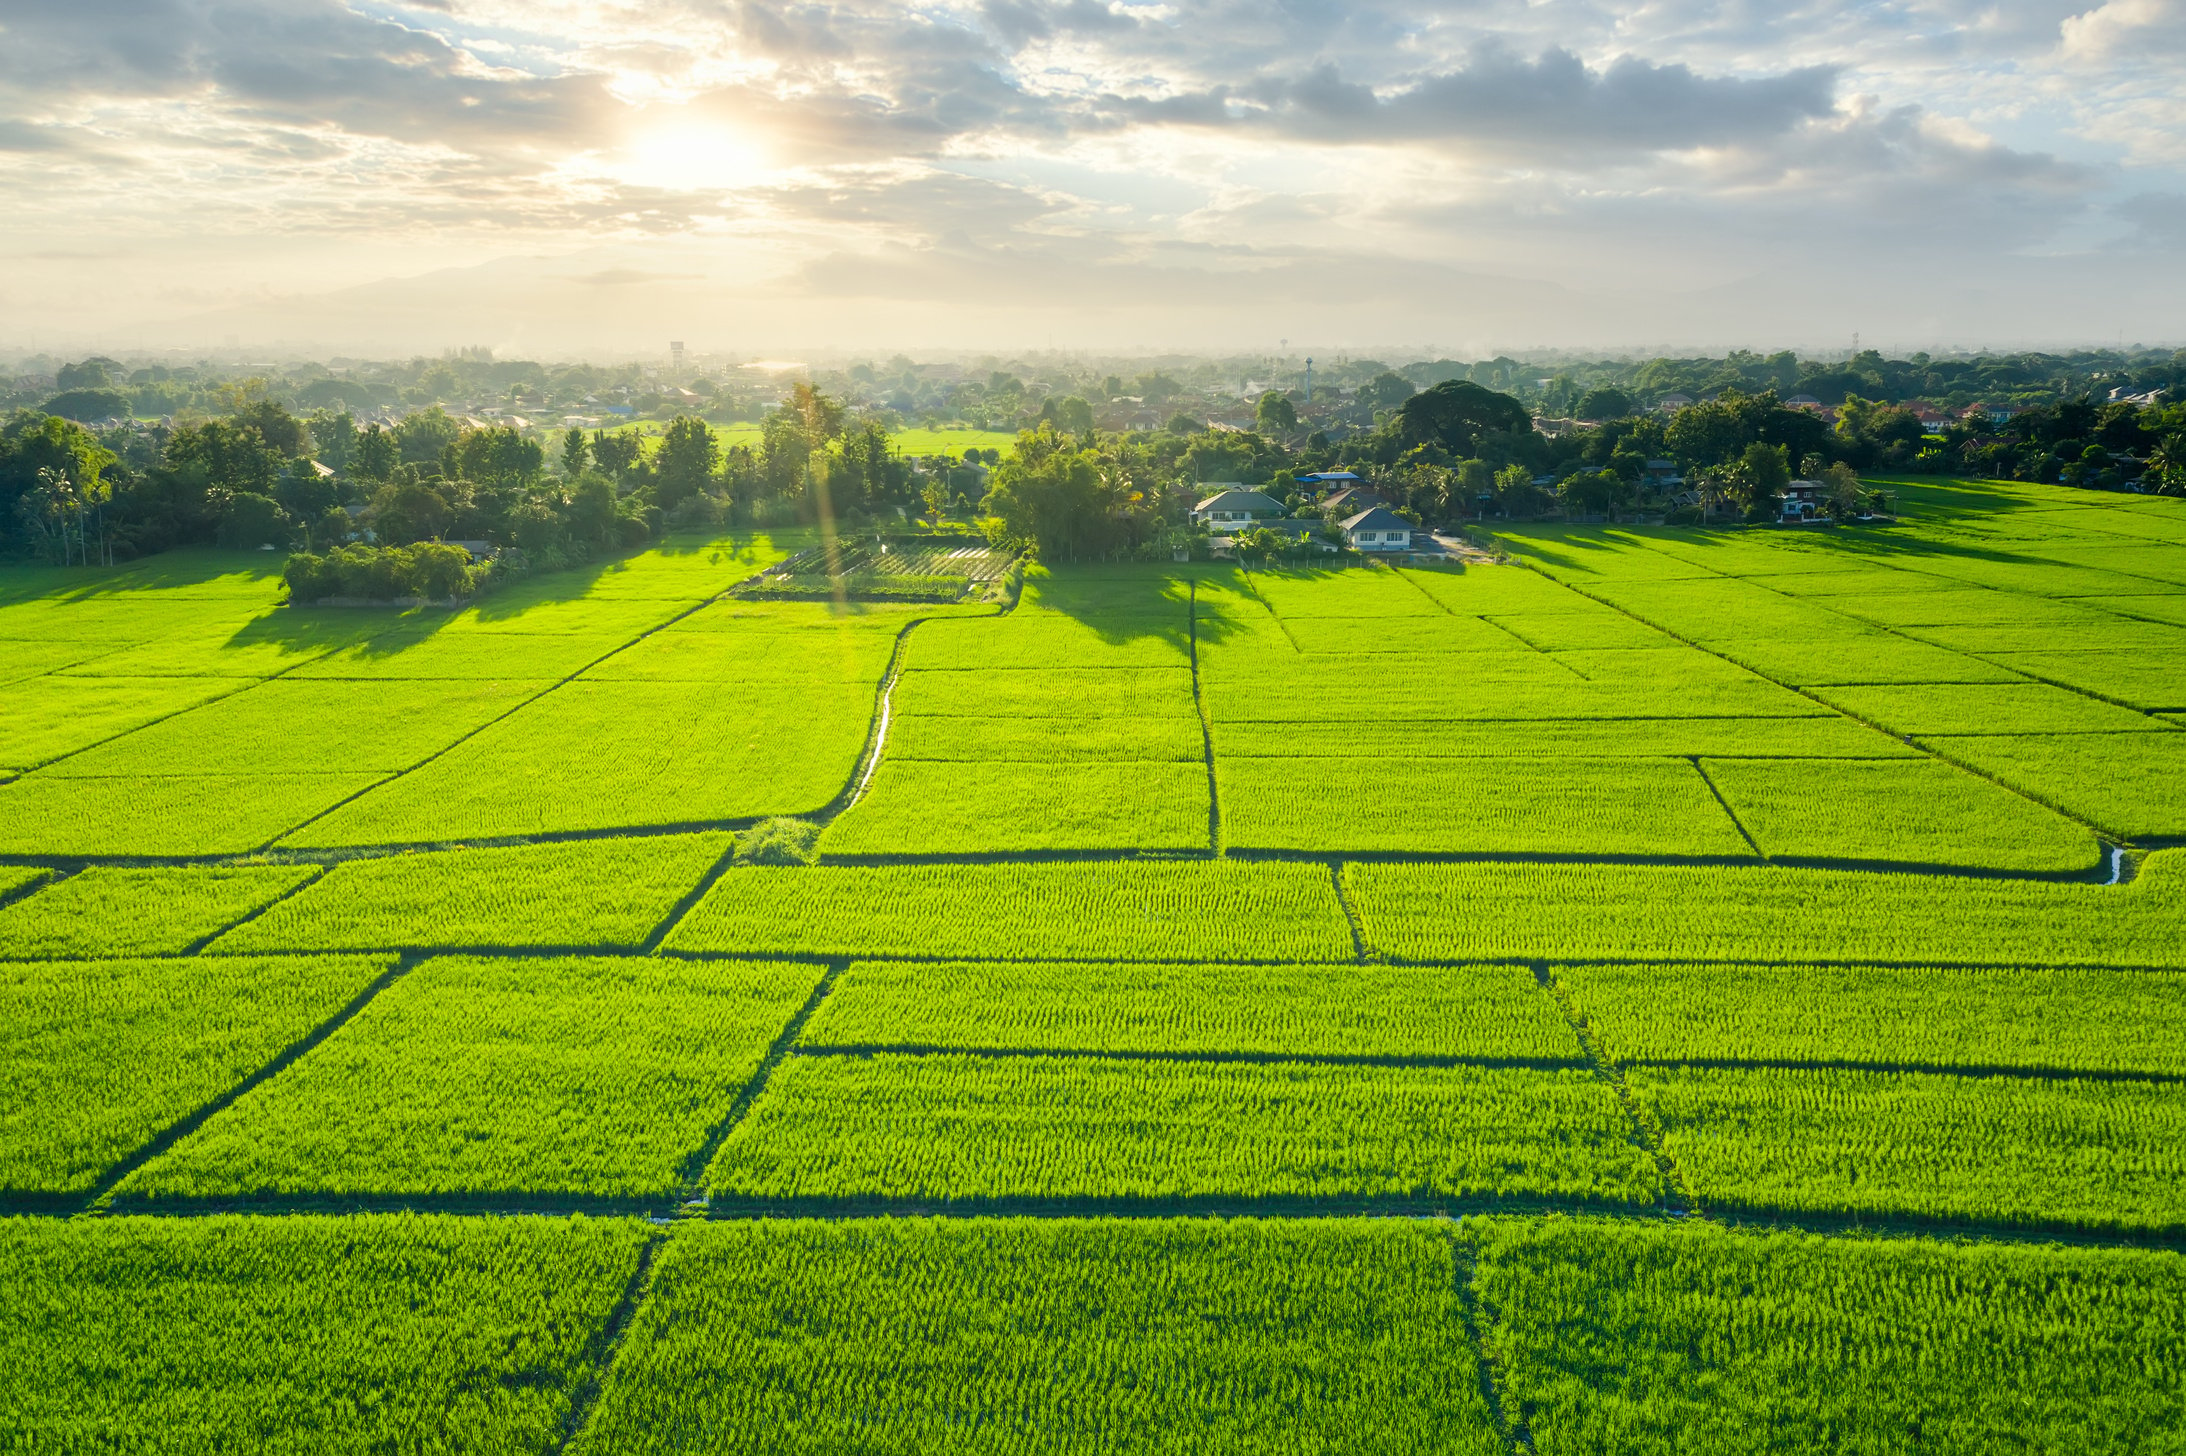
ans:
(1378, 529)
(1802, 503)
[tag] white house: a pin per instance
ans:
(1235, 509)
(1378, 529)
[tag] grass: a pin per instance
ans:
(930, 807)
(109, 911)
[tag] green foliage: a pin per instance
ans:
(1695, 1340)
(1455, 414)
(592, 1078)
(960, 1127)
(1057, 1335)
(428, 570)
(779, 841)
(928, 807)
(294, 1335)
(97, 1057)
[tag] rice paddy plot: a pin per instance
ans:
(2044, 578)
(1438, 633)
(1547, 692)
(308, 727)
(2128, 783)
(539, 612)
(1636, 806)
(1909, 811)
(1619, 1338)
(21, 660)
(2118, 635)
(916, 806)
(587, 1078)
(156, 815)
(1973, 607)
(2032, 1017)
(1135, 692)
(260, 648)
(1585, 738)
(465, 656)
(740, 616)
(790, 659)
(1182, 910)
(1668, 668)
(1765, 913)
(1345, 592)
(604, 893)
(1488, 1012)
(1050, 640)
(958, 739)
(1496, 590)
(1592, 556)
(1582, 631)
(1100, 592)
(951, 1127)
(98, 1057)
(330, 1335)
(1078, 1337)
(1719, 606)
(2166, 609)
(2154, 681)
(107, 910)
(1930, 709)
(2052, 1151)
(1871, 658)
(617, 755)
(47, 717)
(680, 569)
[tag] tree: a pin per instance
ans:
(1386, 390)
(576, 453)
(376, 455)
(500, 456)
(617, 454)
(1182, 424)
(422, 437)
(1059, 505)
(409, 512)
(1069, 414)
(684, 466)
(1605, 404)
(1276, 413)
(1456, 413)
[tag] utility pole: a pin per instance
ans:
(1309, 379)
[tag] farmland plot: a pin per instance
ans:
(1695, 1340)
(625, 754)
(107, 910)
(499, 1078)
(886, 1127)
(1487, 1012)
(930, 807)
(955, 738)
(2056, 1151)
(47, 717)
(324, 1335)
(1548, 739)
(466, 656)
(1139, 692)
(579, 895)
(1181, 910)
(173, 814)
(1077, 1337)
(1929, 710)
(1911, 811)
(96, 1057)
(2128, 783)
(2035, 1018)
(1474, 805)
(1679, 912)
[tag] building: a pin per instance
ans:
(1378, 529)
(1803, 402)
(1354, 498)
(1670, 402)
(1661, 475)
(1235, 509)
(1802, 503)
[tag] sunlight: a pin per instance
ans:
(692, 157)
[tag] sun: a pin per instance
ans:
(692, 157)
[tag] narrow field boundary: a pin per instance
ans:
(600, 1355)
(1217, 1058)
(247, 916)
(1465, 1264)
(1206, 725)
(694, 1168)
(1728, 812)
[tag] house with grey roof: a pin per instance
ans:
(1378, 529)
(1235, 509)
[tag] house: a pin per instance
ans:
(1353, 499)
(1670, 402)
(1934, 418)
(1802, 502)
(1235, 509)
(1661, 475)
(1802, 402)
(2000, 413)
(1328, 478)
(1378, 529)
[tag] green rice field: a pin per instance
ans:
(1675, 991)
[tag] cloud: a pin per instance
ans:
(2132, 30)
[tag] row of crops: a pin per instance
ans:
(378, 1332)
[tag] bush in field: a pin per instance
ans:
(430, 569)
(778, 841)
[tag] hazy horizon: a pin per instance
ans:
(1459, 180)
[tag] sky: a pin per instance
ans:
(552, 179)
